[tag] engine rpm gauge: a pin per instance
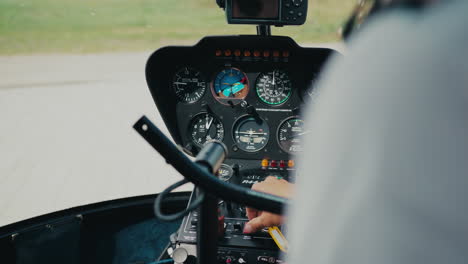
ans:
(290, 134)
(251, 134)
(273, 88)
(230, 86)
(189, 86)
(205, 127)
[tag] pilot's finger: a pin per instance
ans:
(258, 223)
(270, 178)
(251, 213)
(260, 186)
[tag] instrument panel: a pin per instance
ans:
(246, 91)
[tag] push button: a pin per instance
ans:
(237, 227)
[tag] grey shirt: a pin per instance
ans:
(385, 175)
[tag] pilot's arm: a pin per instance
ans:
(387, 167)
(260, 219)
(384, 178)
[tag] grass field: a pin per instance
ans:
(82, 26)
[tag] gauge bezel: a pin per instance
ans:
(190, 126)
(229, 168)
(273, 104)
(307, 97)
(224, 101)
(234, 128)
(278, 132)
(202, 77)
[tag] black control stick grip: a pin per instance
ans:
(212, 155)
(199, 176)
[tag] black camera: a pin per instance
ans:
(266, 12)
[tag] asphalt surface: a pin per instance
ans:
(66, 132)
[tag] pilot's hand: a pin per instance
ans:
(260, 219)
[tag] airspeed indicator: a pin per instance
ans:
(273, 88)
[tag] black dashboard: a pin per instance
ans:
(246, 91)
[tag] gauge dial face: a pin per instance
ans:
(225, 172)
(205, 127)
(230, 86)
(251, 134)
(274, 88)
(290, 134)
(189, 85)
(310, 92)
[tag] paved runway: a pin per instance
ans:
(66, 133)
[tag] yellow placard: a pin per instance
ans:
(279, 238)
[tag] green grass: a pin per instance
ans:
(83, 26)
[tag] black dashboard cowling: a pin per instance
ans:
(253, 55)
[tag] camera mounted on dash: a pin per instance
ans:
(265, 12)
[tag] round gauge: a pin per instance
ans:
(205, 127)
(251, 134)
(189, 85)
(273, 88)
(310, 92)
(225, 172)
(290, 134)
(230, 86)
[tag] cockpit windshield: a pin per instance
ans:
(73, 83)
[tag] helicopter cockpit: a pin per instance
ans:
(245, 92)
(234, 108)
